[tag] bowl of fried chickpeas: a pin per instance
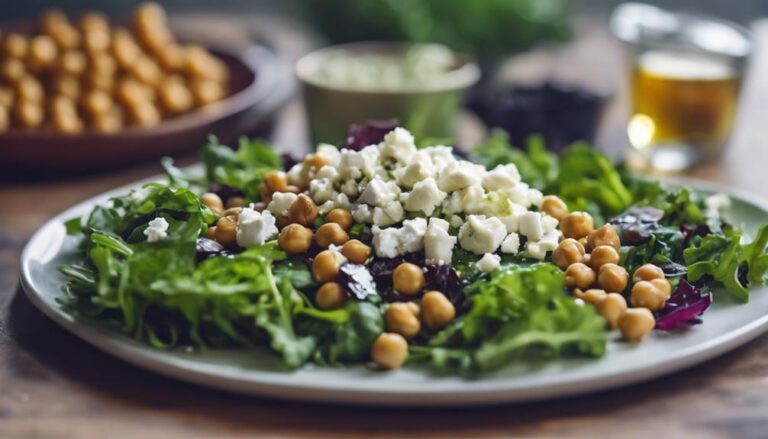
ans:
(83, 92)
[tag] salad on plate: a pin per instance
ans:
(386, 250)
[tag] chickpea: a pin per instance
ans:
(63, 104)
(587, 259)
(207, 91)
(389, 351)
(5, 119)
(109, 122)
(577, 225)
(400, 319)
(30, 89)
(211, 233)
(235, 201)
(212, 201)
(330, 233)
(201, 64)
(97, 102)
(408, 279)
(144, 113)
(67, 85)
(292, 189)
(580, 276)
(415, 308)
(648, 272)
(356, 252)
(66, 36)
(613, 278)
(93, 21)
(226, 231)
(98, 41)
(602, 255)
(437, 310)
(341, 217)
(102, 64)
(72, 63)
(15, 46)
(592, 296)
(51, 19)
(646, 295)
(326, 265)
(130, 92)
(295, 239)
(12, 70)
(330, 296)
(636, 323)
(605, 235)
(275, 181)
(172, 58)
(148, 72)
(6, 97)
(67, 123)
(233, 211)
(302, 211)
(42, 52)
(568, 252)
(612, 307)
(29, 114)
(664, 286)
(175, 97)
(554, 207)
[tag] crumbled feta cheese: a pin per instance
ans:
(390, 214)
(452, 204)
(511, 222)
(398, 145)
(349, 188)
(329, 153)
(412, 235)
(156, 230)
(548, 224)
(440, 155)
(329, 173)
(356, 164)
(456, 221)
(295, 175)
(519, 195)
(386, 241)
(530, 225)
(488, 262)
(502, 177)
(473, 199)
(717, 202)
(535, 250)
(415, 172)
(438, 244)
(425, 197)
(326, 207)
(534, 197)
(362, 214)
(549, 241)
(458, 175)
(482, 235)
(255, 228)
(281, 202)
(379, 193)
(140, 194)
(321, 190)
(511, 244)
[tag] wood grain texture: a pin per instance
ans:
(54, 385)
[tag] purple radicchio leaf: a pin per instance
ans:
(207, 247)
(445, 279)
(684, 307)
(357, 280)
(372, 132)
(637, 223)
(673, 269)
(225, 192)
(689, 231)
(289, 160)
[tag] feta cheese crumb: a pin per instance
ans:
(438, 244)
(398, 145)
(329, 173)
(534, 197)
(349, 188)
(458, 175)
(502, 177)
(412, 235)
(415, 172)
(511, 244)
(535, 250)
(717, 202)
(362, 214)
(281, 202)
(548, 224)
(482, 235)
(488, 262)
(386, 241)
(379, 193)
(321, 190)
(390, 214)
(255, 228)
(456, 221)
(530, 225)
(425, 197)
(156, 230)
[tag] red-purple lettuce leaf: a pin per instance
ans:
(684, 307)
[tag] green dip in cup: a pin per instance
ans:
(421, 85)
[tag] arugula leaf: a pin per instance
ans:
(243, 169)
(538, 167)
(731, 264)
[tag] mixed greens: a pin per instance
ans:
(187, 289)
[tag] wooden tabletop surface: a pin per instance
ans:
(54, 385)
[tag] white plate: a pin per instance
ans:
(726, 326)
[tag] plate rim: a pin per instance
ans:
(259, 384)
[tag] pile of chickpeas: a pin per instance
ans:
(590, 258)
(89, 76)
(403, 320)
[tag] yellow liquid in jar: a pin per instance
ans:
(683, 104)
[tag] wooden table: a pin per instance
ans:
(54, 385)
